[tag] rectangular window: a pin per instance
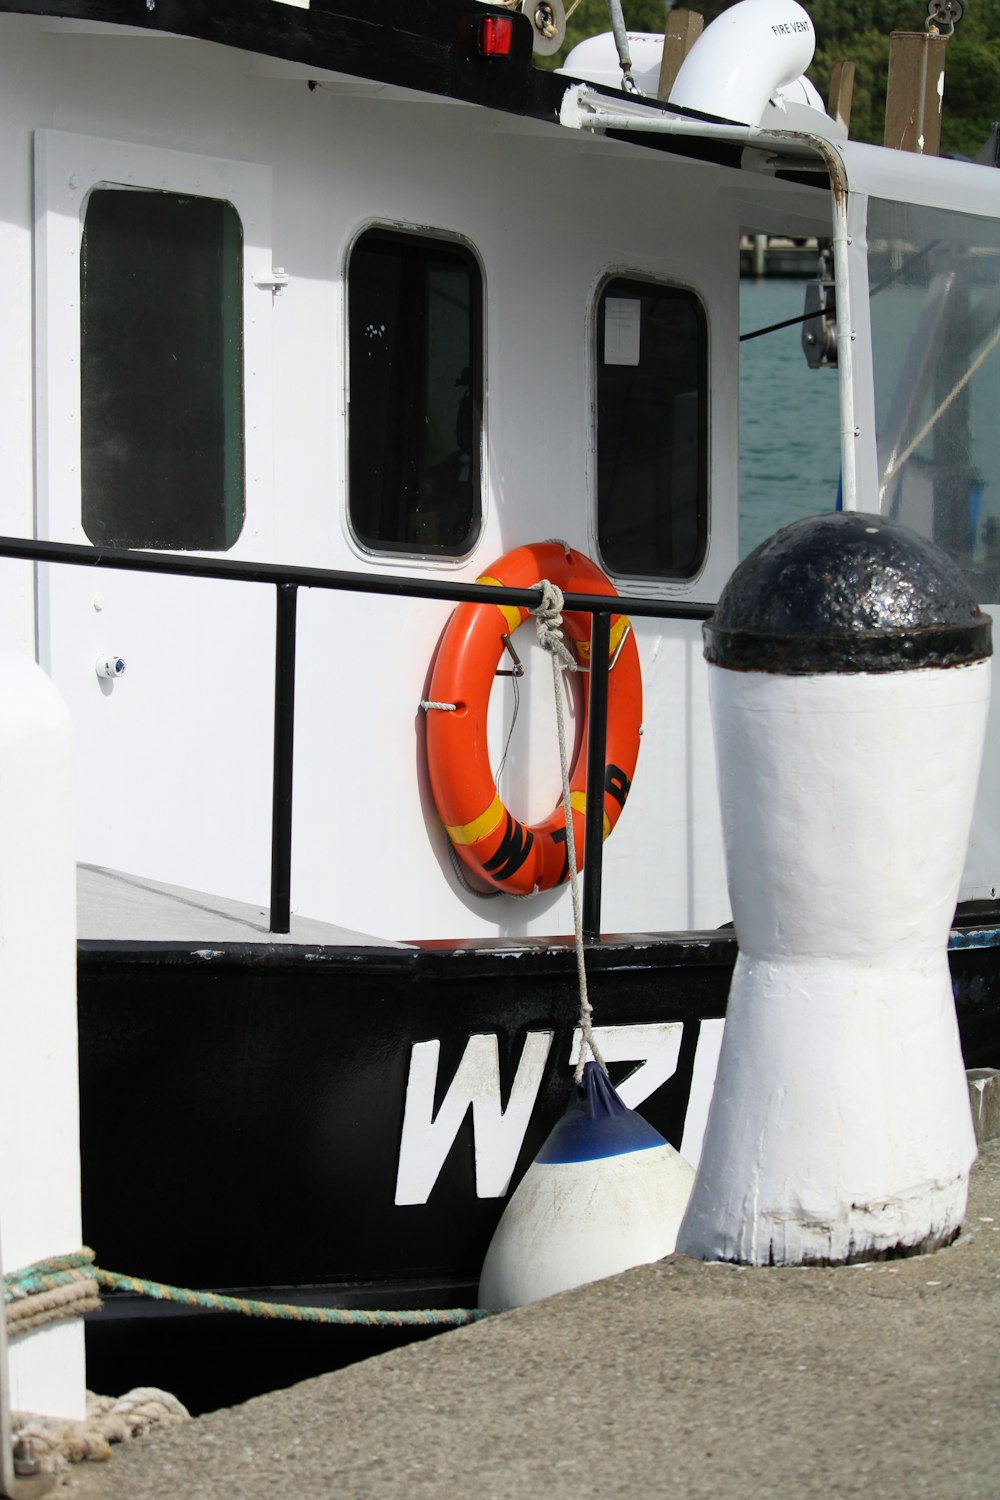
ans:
(651, 430)
(416, 380)
(935, 314)
(161, 371)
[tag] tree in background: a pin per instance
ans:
(859, 29)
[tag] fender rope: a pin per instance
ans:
(548, 624)
(76, 1271)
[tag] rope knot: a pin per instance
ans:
(548, 624)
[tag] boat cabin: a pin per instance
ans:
(286, 311)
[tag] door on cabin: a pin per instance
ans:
(153, 291)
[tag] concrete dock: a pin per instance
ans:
(678, 1379)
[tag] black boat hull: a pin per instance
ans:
(243, 1119)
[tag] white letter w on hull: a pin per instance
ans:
(497, 1132)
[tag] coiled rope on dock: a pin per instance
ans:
(109, 1421)
(68, 1285)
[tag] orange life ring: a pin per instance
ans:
(489, 840)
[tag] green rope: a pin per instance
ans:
(61, 1270)
(424, 1317)
(45, 1275)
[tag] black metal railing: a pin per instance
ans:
(288, 580)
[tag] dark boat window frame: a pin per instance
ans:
(679, 562)
(162, 421)
(416, 250)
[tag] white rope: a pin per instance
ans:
(448, 708)
(456, 865)
(472, 890)
(548, 623)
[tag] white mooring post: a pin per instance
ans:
(39, 1100)
(850, 684)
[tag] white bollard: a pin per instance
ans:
(850, 685)
(605, 1192)
(39, 1101)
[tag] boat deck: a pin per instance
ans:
(116, 907)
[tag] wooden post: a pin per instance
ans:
(682, 29)
(915, 92)
(841, 92)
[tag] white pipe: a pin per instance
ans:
(845, 355)
(744, 56)
(581, 109)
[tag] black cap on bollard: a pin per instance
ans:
(846, 592)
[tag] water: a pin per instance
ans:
(789, 422)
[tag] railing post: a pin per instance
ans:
(597, 733)
(286, 603)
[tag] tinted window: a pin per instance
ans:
(935, 315)
(161, 371)
(415, 316)
(651, 430)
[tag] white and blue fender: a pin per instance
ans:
(605, 1192)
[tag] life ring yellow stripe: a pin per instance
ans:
(617, 631)
(510, 612)
(578, 802)
(471, 833)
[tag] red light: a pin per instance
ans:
(496, 36)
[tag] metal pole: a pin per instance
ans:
(183, 565)
(849, 431)
(286, 603)
(597, 732)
